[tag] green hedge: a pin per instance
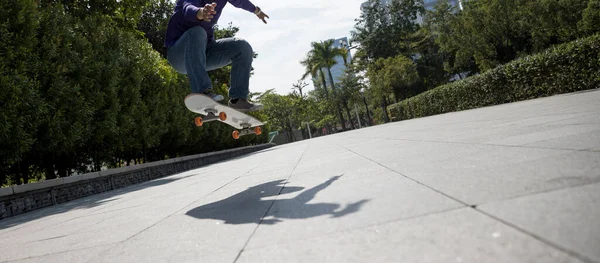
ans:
(564, 68)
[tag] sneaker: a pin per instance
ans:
(244, 105)
(210, 94)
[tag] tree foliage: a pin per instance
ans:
(450, 44)
(393, 75)
(494, 32)
(318, 63)
(569, 67)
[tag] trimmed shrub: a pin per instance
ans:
(565, 68)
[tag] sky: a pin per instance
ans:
(285, 40)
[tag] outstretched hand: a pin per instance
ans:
(207, 12)
(261, 15)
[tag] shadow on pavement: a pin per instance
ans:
(248, 207)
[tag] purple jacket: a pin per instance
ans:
(184, 17)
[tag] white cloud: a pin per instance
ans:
(284, 41)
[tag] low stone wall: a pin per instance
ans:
(20, 199)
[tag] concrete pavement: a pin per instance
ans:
(511, 183)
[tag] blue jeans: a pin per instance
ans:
(193, 55)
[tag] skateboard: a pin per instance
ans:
(213, 111)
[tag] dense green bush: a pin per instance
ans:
(564, 68)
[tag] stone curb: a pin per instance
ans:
(6, 191)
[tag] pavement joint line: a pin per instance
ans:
(487, 144)
(535, 193)
(94, 212)
(99, 213)
(547, 140)
(270, 206)
(45, 239)
(416, 181)
(593, 150)
(47, 217)
(61, 252)
(80, 230)
(168, 216)
(474, 207)
(539, 238)
(347, 230)
(44, 218)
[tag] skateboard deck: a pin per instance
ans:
(213, 111)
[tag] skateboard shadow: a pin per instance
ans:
(249, 207)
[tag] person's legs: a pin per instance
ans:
(239, 54)
(188, 56)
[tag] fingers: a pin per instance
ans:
(262, 17)
(207, 15)
(211, 7)
(208, 11)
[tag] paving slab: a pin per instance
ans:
(511, 183)
(345, 203)
(456, 236)
(558, 216)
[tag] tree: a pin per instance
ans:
(487, 30)
(313, 68)
(349, 87)
(551, 22)
(125, 13)
(392, 76)
(322, 56)
(433, 42)
(154, 21)
(591, 18)
(20, 102)
(494, 32)
(299, 86)
(383, 31)
(279, 109)
(386, 31)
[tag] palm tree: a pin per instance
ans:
(313, 68)
(322, 56)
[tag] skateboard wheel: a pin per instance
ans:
(257, 130)
(235, 134)
(198, 121)
(223, 116)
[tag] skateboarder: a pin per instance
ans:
(192, 49)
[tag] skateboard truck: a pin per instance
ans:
(247, 129)
(211, 115)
